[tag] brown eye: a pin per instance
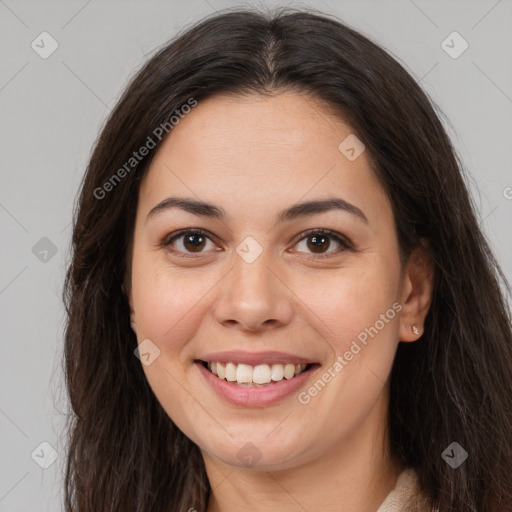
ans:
(194, 242)
(187, 242)
(319, 241)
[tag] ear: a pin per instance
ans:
(416, 295)
(126, 287)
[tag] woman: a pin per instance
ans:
(280, 297)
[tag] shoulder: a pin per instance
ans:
(406, 496)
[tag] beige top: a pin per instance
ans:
(405, 487)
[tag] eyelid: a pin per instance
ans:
(168, 239)
(338, 237)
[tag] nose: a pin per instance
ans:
(254, 296)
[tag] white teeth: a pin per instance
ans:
(245, 374)
(262, 374)
(277, 372)
(289, 371)
(231, 372)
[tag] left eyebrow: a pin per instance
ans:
(320, 206)
(204, 209)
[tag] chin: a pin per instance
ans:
(256, 450)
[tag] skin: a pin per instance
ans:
(254, 156)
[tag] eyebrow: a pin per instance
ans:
(204, 209)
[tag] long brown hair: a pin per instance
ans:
(453, 385)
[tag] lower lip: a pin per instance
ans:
(255, 396)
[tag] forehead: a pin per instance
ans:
(262, 150)
(282, 127)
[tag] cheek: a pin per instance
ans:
(357, 314)
(351, 303)
(169, 303)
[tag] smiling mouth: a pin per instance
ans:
(256, 376)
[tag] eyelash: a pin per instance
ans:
(345, 243)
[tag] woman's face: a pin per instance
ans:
(255, 289)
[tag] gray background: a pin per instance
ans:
(51, 112)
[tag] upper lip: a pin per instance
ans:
(254, 358)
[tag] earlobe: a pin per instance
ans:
(416, 295)
(133, 323)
